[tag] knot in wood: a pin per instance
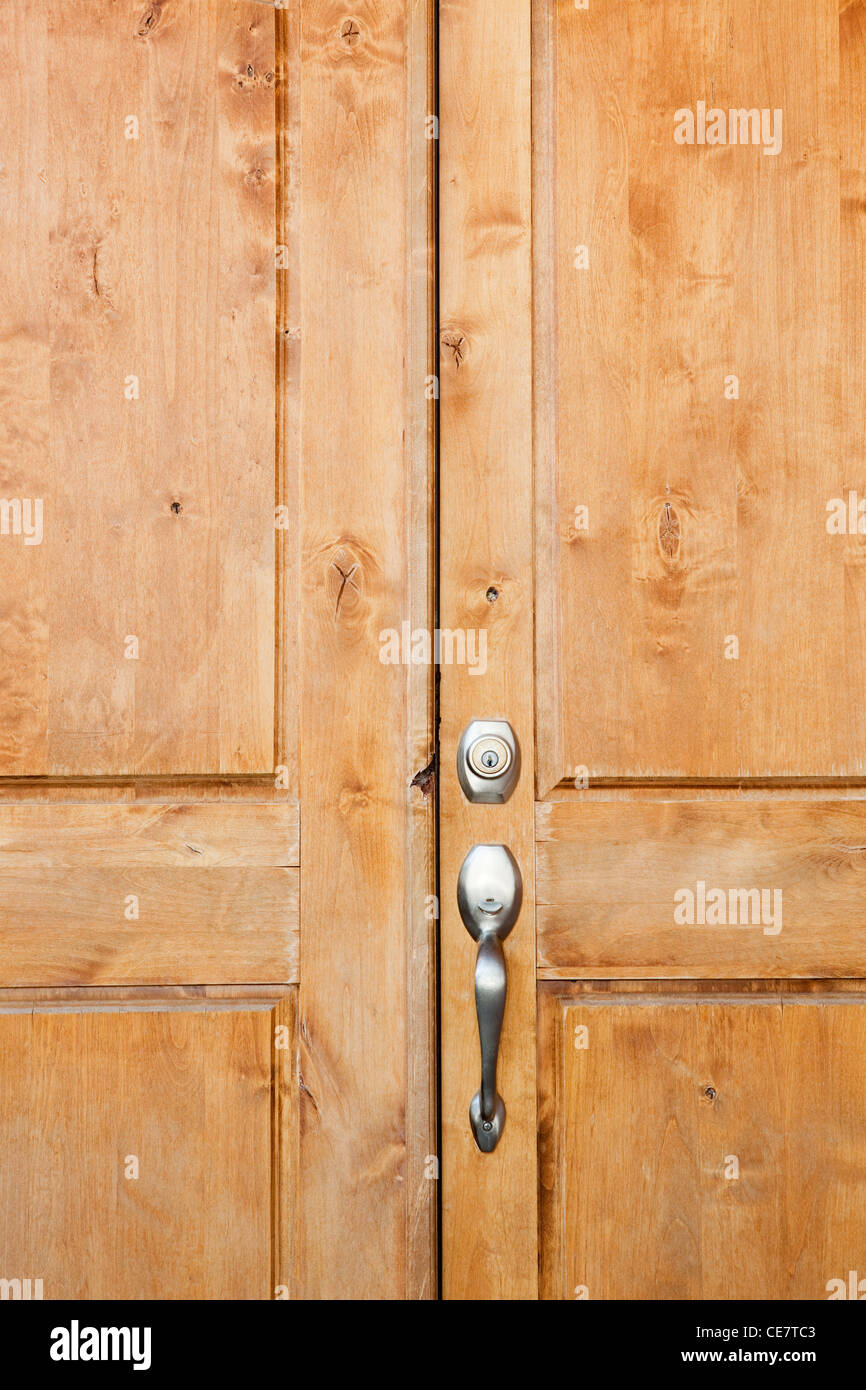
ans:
(669, 532)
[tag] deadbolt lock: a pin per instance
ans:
(489, 756)
(488, 760)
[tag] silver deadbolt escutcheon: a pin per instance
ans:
(488, 760)
(489, 895)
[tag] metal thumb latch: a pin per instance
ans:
(489, 895)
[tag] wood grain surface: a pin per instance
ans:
(367, 1146)
(696, 337)
(189, 1096)
(707, 511)
(609, 876)
(138, 310)
(214, 926)
(92, 835)
(217, 301)
(489, 1200)
(652, 1103)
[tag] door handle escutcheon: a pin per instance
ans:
(489, 895)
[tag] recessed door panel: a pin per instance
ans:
(701, 1146)
(699, 303)
(139, 1150)
(137, 462)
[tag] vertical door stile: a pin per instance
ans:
(486, 614)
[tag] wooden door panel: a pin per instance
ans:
(148, 894)
(664, 271)
(761, 889)
(701, 1145)
(189, 835)
(138, 356)
(71, 927)
(143, 1153)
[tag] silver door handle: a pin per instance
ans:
(489, 895)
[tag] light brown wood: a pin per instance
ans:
(696, 332)
(219, 926)
(549, 731)
(724, 789)
(143, 998)
(422, 1101)
(609, 876)
(643, 1119)
(200, 836)
(288, 393)
(259, 256)
(149, 258)
(367, 1188)
(852, 139)
(25, 376)
(193, 1098)
(707, 515)
(489, 1201)
(285, 1100)
(168, 790)
(208, 886)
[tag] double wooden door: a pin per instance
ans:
(218, 402)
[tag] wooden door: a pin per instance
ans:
(653, 366)
(214, 494)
